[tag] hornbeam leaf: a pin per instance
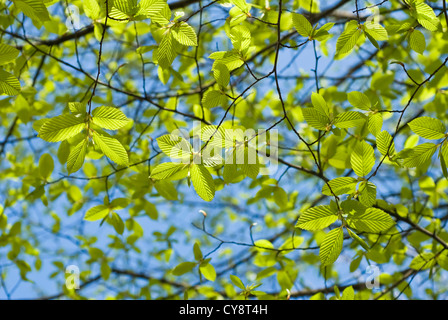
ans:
(153, 9)
(174, 146)
(376, 31)
(375, 123)
(109, 118)
(76, 157)
(362, 159)
(96, 213)
(9, 84)
(166, 52)
(428, 128)
(184, 34)
(183, 268)
(7, 53)
(417, 156)
(359, 100)
(423, 261)
(358, 239)
(320, 104)
(348, 39)
(417, 41)
(317, 218)
(61, 127)
(202, 181)
(112, 148)
(170, 171)
(92, 9)
(338, 186)
(315, 119)
(46, 165)
(221, 74)
(331, 247)
(385, 143)
(371, 220)
(208, 271)
(302, 25)
(349, 119)
(35, 9)
(367, 193)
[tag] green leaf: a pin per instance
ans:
(341, 185)
(371, 220)
(174, 146)
(302, 25)
(184, 34)
(315, 119)
(443, 154)
(241, 38)
(348, 294)
(157, 10)
(221, 74)
(331, 247)
(349, 119)
(423, 261)
(183, 268)
(197, 252)
(166, 189)
(46, 166)
(202, 182)
(359, 100)
(213, 98)
(105, 270)
(348, 39)
(417, 156)
(231, 59)
(362, 159)
(251, 164)
(442, 260)
(96, 213)
(376, 31)
(425, 15)
(417, 41)
(316, 218)
(428, 128)
(385, 143)
(166, 52)
(323, 32)
(241, 4)
(237, 282)
(119, 203)
(76, 157)
(9, 84)
(320, 104)
(35, 9)
(92, 9)
(77, 108)
(115, 220)
(375, 123)
(7, 53)
(367, 193)
(170, 171)
(358, 239)
(208, 271)
(109, 118)
(61, 127)
(112, 148)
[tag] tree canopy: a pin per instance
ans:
(223, 149)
